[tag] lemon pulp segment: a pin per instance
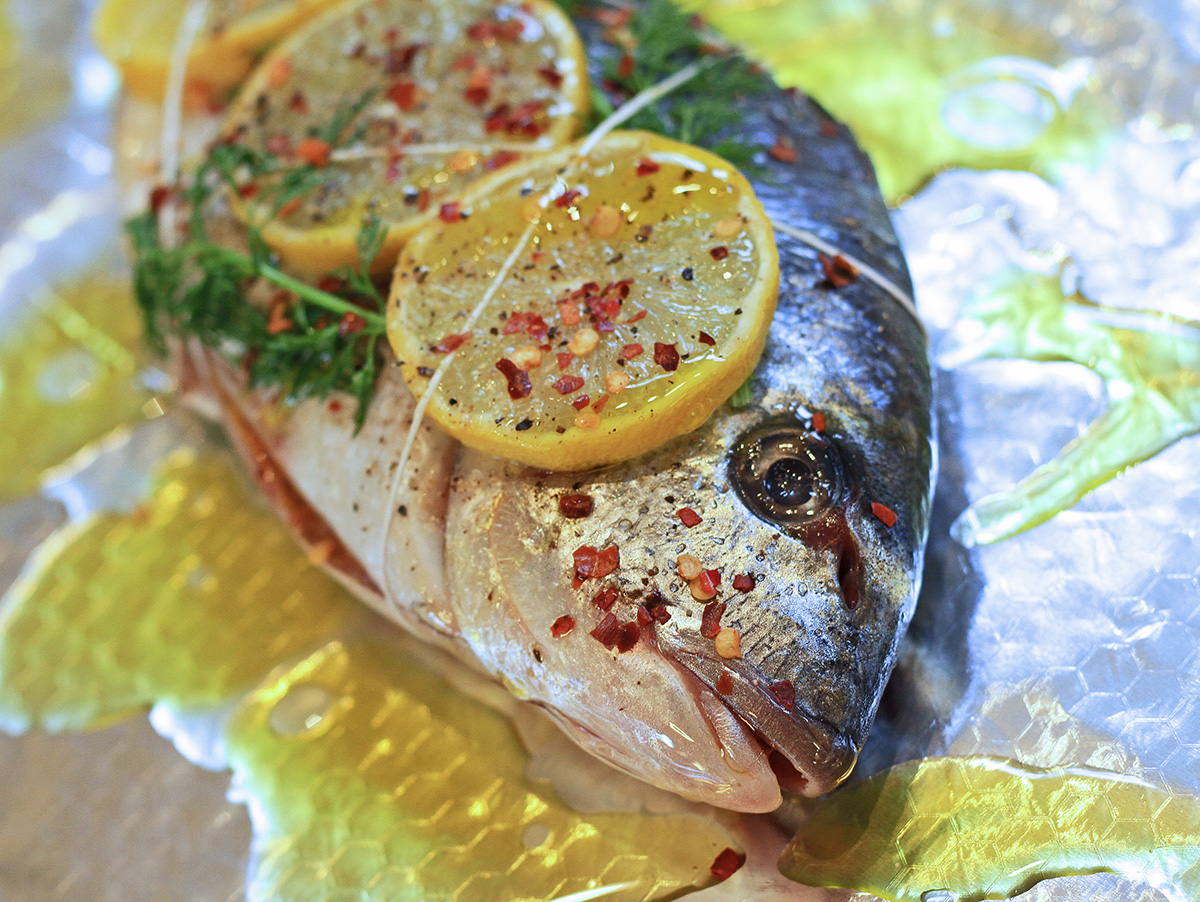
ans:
(640, 301)
(448, 92)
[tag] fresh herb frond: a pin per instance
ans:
(306, 340)
(659, 40)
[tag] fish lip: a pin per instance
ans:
(823, 754)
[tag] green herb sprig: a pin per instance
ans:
(323, 342)
(662, 39)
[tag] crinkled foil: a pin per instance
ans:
(1077, 642)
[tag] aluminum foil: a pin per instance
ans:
(1073, 643)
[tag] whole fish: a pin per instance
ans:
(815, 494)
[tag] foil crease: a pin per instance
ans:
(1077, 642)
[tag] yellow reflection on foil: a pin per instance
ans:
(189, 601)
(925, 86)
(68, 375)
(442, 810)
(986, 828)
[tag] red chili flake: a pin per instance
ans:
(727, 864)
(627, 636)
(688, 517)
(350, 324)
(568, 197)
(423, 199)
(744, 582)
(522, 321)
(510, 29)
(607, 631)
(519, 385)
(600, 403)
(403, 94)
(647, 166)
(553, 76)
(335, 406)
(710, 620)
(477, 96)
(829, 129)
(565, 359)
(313, 151)
(524, 119)
(707, 339)
(625, 67)
(451, 343)
(400, 59)
(567, 384)
(724, 683)
(279, 145)
(607, 560)
(839, 272)
(886, 515)
(709, 580)
(393, 169)
(581, 402)
(390, 35)
(500, 159)
(298, 103)
(783, 150)
(666, 356)
(590, 563)
(573, 507)
(463, 63)
(158, 198)
(641, 314)
(818, 422)
(605, 598)
(720, 252)
(562, 626)
(290, 207)
(478, 85)
(657, 607)
(631, 351)
(450, 213)
(784, 692)
(611, 17)
(497, 118)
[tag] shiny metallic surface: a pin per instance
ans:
(1074, 643)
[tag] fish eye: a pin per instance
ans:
(785, 474)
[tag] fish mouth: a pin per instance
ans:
(810, 757)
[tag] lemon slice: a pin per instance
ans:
(642, 285)
(139, 38)
(431, 97)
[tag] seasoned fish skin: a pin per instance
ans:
(853, 354)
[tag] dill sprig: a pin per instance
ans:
(659, 40)
(310, 342)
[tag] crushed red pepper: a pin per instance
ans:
(886, 515)
(581, 402)
(744, 582)
(647, 166)
(627, 636)
(562, 626)
(724, 683)
(784, 692)
(720, 252)
(553, 76)
(565, 359)
(818, 422)
(666, 356)
(591, 562)
(530, 323)
(656, 605)
(519, 385)
(710, 620)
(313, 151)
(575, 506)
(450, 213)
(404, 94)
(727, 863)
(707, 339)
(708, 581)
(688, 517)
(839, 272)
(451, 343)
(606, 631)
(605, 598)
(564, 385)
(783, 150)
(629, 352)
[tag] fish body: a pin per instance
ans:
(794, 491)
